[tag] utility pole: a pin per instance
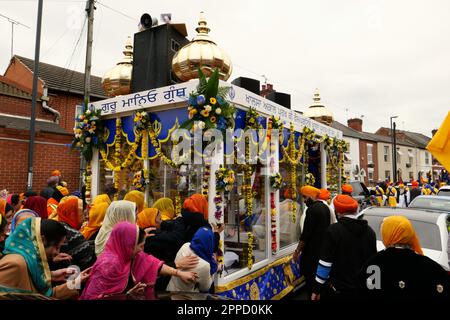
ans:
(34, 96)
(90, 7)
(395, 153)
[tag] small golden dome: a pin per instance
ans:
(202, 52)
(319, 112)
(117, 81)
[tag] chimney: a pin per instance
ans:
(355, 124)
(433, 132)
(266, 89)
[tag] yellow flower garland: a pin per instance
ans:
(250, 251)
(158, 150)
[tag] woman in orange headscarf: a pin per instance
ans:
(96, 216)
(70, 213)
(398, 231)
(149, 218)
(197, 204)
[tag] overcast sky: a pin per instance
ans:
(375, 58)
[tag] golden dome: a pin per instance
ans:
(319, 112)
(117, 81)
(202, 52)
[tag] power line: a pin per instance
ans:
(116, 11)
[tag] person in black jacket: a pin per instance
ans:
(164, 243)
(401, 271)
(347, 245)
(415, 191)
(316, 222)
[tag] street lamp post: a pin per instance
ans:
(394, 154)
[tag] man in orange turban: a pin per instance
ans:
(317, 219)
(347, 189)
(346, 247)
(325, 196)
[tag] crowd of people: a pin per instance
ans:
(55, 245)
(338, 255)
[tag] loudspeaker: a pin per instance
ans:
(147, 21)
(154, 49)
(283, 99)
(250, 84)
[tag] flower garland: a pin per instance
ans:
(157, 146)
(276, 122)
(251, 119)
(87, 175)
(224, 179)
(205, 180)
(208, 106)
(250, 250)
(127, 162)
(219, 256)
(273, 214)
(88, 133)
(118, 149)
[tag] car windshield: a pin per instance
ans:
(444, 192)
(431, 203)
(357, 189)
(428, 233)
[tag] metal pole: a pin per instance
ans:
(392, 153)
(87, 71)
(395, 153)
(34, 96)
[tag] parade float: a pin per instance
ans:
(129, 140)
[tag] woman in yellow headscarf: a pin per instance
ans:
(102, 198)
(137, 197)
(165, 205)
(398, 230)
(96, 216)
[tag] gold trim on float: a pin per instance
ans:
(256, 274)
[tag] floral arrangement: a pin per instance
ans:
(177, 205)
(276, 180)
(276, 122)
(142, 121)
(250, 250)
(224, 179)
(141, 180)
(273, 214)
(208, 107)
(251, 119)
(154, 141)
(219, 256)
(310, 180)
(89, 132)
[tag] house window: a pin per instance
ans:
(387, 175)
(399, 155)
(410, 157)
(370, 174)
(427, 158)
(386, 153)
(369, 153)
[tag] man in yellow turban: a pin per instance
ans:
(317, 219)
(402, 271)
(165, 205)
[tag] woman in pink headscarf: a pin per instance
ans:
(123, 267)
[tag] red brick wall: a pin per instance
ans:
(66, 105)
(19, 73)
(22, 107)
(47, 157)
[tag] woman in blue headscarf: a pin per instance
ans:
(24, 268)
(202, 246)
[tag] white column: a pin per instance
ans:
(323, 166)
(95, 177)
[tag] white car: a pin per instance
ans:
(430, 227)
(444, 191)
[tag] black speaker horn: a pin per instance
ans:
(147, 21)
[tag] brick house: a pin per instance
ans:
(59, 92)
